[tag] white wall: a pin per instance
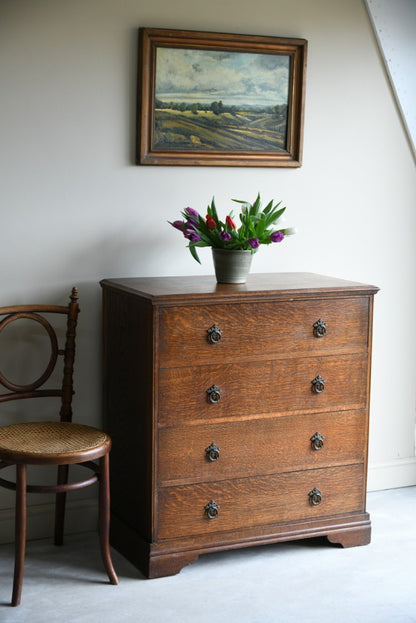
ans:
(75, 209)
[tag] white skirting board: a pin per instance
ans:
(80, 516)
(392, 475)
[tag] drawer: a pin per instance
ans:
(261, 329)
(255, 387)
(259, 501)
(260, 446)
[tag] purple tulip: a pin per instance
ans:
(254, 243)
(178, 225)
(190, 224)
(192, 213)
(192, 235)
(225, 236)
(276, 236)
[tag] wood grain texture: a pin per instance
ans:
(260, 446)
(158, 365)
(204, 290)
(259, 500)
(168, 557)
(254, 387)
(128, 400)
(261, 330)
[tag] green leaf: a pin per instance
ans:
(205, 239)
(214, 212)
(194, 253)
(274, 216)
(256, 205)
(261, 225)
(268, 207)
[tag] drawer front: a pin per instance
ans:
(261, 329)
(207, 452)
(248, 502)
(249, 388)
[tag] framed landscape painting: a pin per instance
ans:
(220, 99)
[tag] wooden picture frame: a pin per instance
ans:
(212, 99)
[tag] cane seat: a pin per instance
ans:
(60, 442)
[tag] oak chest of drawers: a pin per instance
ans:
(238, 413)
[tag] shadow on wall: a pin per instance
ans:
(117, 255)
(121, 254)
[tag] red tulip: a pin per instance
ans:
(211, 224)
(230, 222)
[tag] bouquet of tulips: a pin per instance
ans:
(257, 226)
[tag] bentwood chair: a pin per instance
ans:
(60, 443)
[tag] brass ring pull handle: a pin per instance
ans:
(315, 497)
(319, 328)
(214, 394)
(211, 509)
(213, 452)
(214, 334)
(317, 441)
(318, 384)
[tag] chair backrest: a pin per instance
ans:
(43, 315)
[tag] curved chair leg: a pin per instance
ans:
(20, 534)
(104, 518)
(60, 505)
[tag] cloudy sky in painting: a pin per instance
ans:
(233, 77)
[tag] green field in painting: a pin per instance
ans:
(242, 131)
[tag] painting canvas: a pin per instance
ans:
(220, 102)
(225, 101)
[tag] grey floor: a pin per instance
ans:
(300, 582)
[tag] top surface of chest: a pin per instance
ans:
(201, 289)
